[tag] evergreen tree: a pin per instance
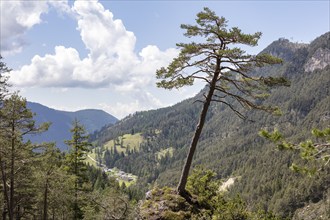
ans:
(16, 155)
(49, 176)
(310, 150)
(3, 91)
(224, 68)
(75, 162)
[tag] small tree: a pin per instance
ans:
(224, 68)
(47, 163)
(76, 161)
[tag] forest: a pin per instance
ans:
(262, 121)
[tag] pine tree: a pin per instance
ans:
(3, 92)
(310, 150)
(75, 162)
(16, 155)
(225, 68)
(48, 175)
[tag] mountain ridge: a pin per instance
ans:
(61, 122)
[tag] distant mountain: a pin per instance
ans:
(231, 146)
(61, 121)
(92, 119)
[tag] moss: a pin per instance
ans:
(146, 204)
(164, 203)
(181, 215)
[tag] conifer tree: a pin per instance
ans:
(3, 91)
(75, 162)
(310, 150)
(16, 155)
(47, 163)
(225, 68)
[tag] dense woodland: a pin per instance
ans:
(38, 181)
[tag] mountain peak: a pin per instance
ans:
(284, 49)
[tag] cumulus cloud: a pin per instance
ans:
(61, 6)
(120, 109)
(102, 34)
(16, 18)
(142, 101)
(50, 70)
(111, 60)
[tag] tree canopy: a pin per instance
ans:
(309, 150)
(225, 68)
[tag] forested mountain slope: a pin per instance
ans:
(231, 146)
(61, 121)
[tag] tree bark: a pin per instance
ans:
(45, 214)
(5, 190)
(185, 171)
(12, 174)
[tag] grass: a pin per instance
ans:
(128, 141)
(123, 143)
(162, 153)
(89, 161)
(127, 183)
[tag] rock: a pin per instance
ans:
(319, 60)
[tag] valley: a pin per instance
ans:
(252, 144)
(120, 176)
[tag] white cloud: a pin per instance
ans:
(16, 18)
(140, 100)
(50, 70)
(62, 6)
(102, 34)
(68, 109)
(120, 109)
(143, 100)
(111, 61)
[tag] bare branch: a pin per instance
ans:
(240, 115)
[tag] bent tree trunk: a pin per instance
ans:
(185, 171)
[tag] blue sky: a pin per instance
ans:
(103, 54)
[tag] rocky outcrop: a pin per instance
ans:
(320, 211)
(319, 60)
(284, 49)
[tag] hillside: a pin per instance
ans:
(230, 146)
(61, 122)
